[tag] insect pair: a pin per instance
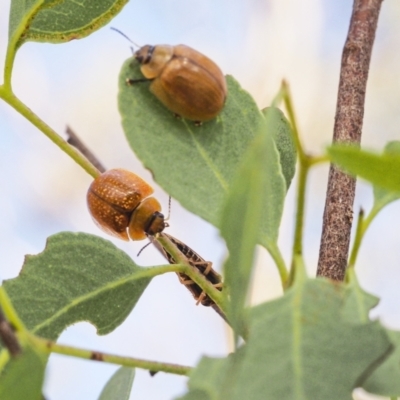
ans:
(187, 82)
(192, 86)
(119, 203)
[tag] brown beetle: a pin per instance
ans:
(187, 82)
(119, 203)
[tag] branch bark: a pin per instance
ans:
(74, 140)
(338, 214)
(8, 337)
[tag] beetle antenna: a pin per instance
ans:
(148, 244)
(125, 36)
(169, 209)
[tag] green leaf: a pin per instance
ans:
(20, 13)
(255, 194)
(78, 277)
(380, 170)
(385, 380)
(283, 137)
(195, 395)
(119, 385)
(201, 161)
(358, 302)
(23, 376)
(59, 21)
(300, 346)
(213, 377)
(383, 197)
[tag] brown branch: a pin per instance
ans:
(74, 140)
(338, 212)
(8, 337)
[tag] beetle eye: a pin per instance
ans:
(139, 57)
(155, 224)
(149, 54)
(144, 54)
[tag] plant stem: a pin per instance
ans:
(16, 324)
(8, 96)
(10, 312)
(276, 255)
(49, 346)
(356, 58)
(362, 227)
(8, 337)
(357, 239)
(314, 160)
(8, 66)
(301, 193)
(287, 98)
(305, 162)
(193, 273)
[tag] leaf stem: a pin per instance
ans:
(287, 99)
(304, 165)
(314, 160)
(276, 255)
(15, 41)
(9, 311)
(4, 359)
(8, 96)
(357, 239)
(14, 320)
(184, 268)
(193, 273)
(8, 67)
(362, 227)
(301, 193)
(49, 346)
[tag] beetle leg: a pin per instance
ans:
(208, 266)
(201, 298)
(185, 281)
(198, 123)
(208, 269)
(131, 82)
(203, 294)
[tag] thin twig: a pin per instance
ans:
(9, 97)
(8, 337)
(338, 214)
(53, 347)
(74, 140)
(164, 244)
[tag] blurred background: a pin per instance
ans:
(260, 42)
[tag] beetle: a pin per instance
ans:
(119, 203)
(187, 82)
